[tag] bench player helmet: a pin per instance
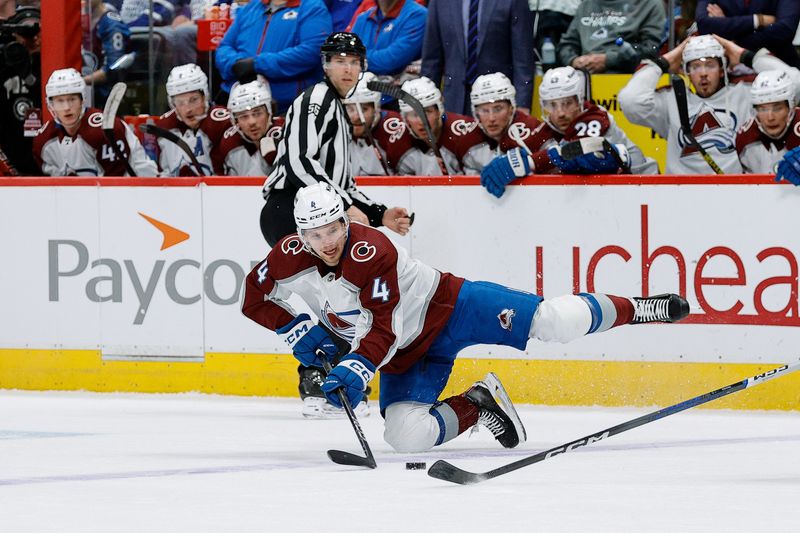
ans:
(773, 86)
(247, 96)
(365, 95)
(559, 83)
(185, 79)
(61, 82)
(703, 47)
(490, 88)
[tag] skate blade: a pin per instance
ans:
(501, 397)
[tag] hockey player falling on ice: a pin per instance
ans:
(73, 142)
(248, 148)
(410, 321)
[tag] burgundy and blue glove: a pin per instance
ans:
(503, 169)
(789, 167)
(353, 374)
(304, 337)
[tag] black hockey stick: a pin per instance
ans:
(679, 88)
(109, 115)
(347, 458)
(174, 139)
(413, 103)
(447, 472)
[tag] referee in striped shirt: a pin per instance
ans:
(316, 147)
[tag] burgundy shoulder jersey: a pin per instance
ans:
(234, 155)
(388, 306)
(759, 153)
(172, 160)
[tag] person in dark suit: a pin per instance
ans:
(467, 38)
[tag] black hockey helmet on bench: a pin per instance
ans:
(345, 44)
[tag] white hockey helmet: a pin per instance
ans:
(562, 82)
(247, 96)
(703, 46)
(317, 205)
(185, 79)
(364, 95)
(65, 81)
(773, 86)
(424, 90)
(494, 87)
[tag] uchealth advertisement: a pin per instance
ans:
(155, 273)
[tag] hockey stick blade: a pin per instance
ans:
(679, 89)
(347, 458)
(109, 115)
(152, 129)
(447, 472)
(398, 93)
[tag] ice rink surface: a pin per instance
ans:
(150, 463)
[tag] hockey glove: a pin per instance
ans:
(590, 155)
(505, 168)
(789, 167)
(245, 70)
(305, 338)
(352, 374)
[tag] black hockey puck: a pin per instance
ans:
(416, 466)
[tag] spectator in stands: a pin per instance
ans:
(109, 40)
(472, 37)
(755, 24)
(343, 13)
(591, 40)
(194, 120)
(279, 39)
(456, 137)
(551, 19)
(248, 148)
(392, 31)
(716, 111)
(73, 142)
(380, 137)
(766, 137)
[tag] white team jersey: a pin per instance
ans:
(172, 158)
(89, 152)
(714, 120)
(364, 158)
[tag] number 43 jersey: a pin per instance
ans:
(388, 306)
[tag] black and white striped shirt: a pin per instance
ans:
(316, 146)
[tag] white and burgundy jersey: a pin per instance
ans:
(89, 152)
(595, 121)
(759, 153)
(525, 129)
(392, 143)
(461, 143)
(714, 120)
(172, 160)
(235, 155)
(388, 306)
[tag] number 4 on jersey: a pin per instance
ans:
(380, 291)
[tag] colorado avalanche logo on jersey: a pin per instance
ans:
(220, 114)
(362, 251)
(343, 324)
(274, 132)
(710, 132)
(505, 317)
(293, 245)
(395, 128)
(462, 127)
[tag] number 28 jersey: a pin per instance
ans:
(388, 306)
